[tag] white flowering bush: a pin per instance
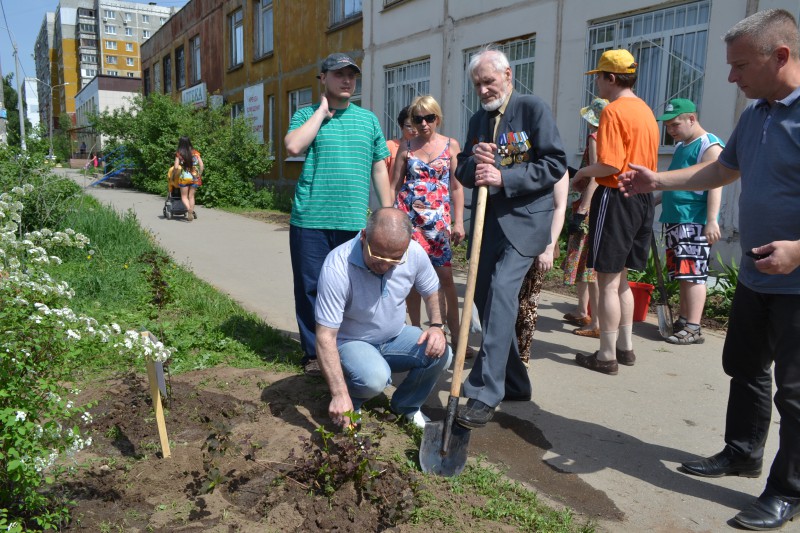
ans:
(42, 341)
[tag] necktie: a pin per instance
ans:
(494, 116)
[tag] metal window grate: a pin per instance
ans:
(403, 83)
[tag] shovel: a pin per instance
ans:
(662, 308)
(444, 444)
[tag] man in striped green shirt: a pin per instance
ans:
(344, 151)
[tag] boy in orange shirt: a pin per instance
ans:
(619, 227)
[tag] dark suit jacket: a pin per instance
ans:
(524, 205)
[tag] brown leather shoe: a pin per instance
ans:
(626, 357)
(587, 332)
(578, 320)
(592, 363)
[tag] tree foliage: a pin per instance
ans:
(149, 130)
(10, 99)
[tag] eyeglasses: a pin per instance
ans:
(427, 118)
(386, 259)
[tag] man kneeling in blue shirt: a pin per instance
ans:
(360, 313)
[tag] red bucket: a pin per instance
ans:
(641, 299)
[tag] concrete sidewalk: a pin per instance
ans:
(621, 437)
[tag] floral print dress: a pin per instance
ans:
(425, 197)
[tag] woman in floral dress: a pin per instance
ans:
(426, 189)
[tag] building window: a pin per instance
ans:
(111, 45)
(108, 14)
(355, 98)
(162, 20)
(344, 10)
(89, 43)
(194, 45)
(521, 54)
(130, 74)
(112, 72)
(128, 17)
(156, 78)
(298, 100)
(146, 81)
(145, 19)
(130, 61)
(271, 123)
(167, 64)
(670, 46)
(111, 29)
(129, 47)
(87, 28)
(129, 32)
(111, 60)
(145, 34)
(83, 12)
(264, 40)
(237, 110)
(89, 58)
(236, 36)
(402, 84)
(180, 68)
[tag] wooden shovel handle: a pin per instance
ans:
(469, 295)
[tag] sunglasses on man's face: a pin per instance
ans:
(388, 260)
(427, 118)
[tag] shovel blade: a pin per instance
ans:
(449, 462)
(664, 320)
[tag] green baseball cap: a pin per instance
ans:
(677, 106)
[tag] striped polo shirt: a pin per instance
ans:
(333, 189)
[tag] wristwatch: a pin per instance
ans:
(437, 325)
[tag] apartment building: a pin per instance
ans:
(260, 56)
(84, 38)
(414, 47)
(103, 93)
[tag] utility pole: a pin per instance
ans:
(19, 101)
(3, 112)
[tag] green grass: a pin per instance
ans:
(116, 284)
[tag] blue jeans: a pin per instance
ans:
(368, 370)
(309, 248)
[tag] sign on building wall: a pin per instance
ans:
(195, 96)
(254, 109)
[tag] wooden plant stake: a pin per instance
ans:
(154, 370)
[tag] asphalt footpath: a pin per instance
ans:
(622, 436)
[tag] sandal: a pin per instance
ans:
(687, 336)
(587, 332)
(578, 320)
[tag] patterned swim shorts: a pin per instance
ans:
(687, 252)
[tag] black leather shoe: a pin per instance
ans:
(725, 463)
(769, 511)
(517, 397)
(474, 415)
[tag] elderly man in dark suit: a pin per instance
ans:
(513, 148)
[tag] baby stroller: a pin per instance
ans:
(174, 206)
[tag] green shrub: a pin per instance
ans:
(150, 128)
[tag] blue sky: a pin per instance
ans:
(24, 18)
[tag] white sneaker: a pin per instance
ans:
(418, 419)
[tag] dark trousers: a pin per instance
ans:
(498, 369)
(309, 248)
(765, 329)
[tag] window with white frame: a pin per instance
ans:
(108, 14)
(403, 83)
(111, 29)
(264, 27)
(145, 34)
(131, 74)
(129, 47)
(180, 68)
(237, 110)
(298, 100)
(111, 60)
(194, 50)
(162, 20)
(355, 98)
(128, 17)
(129, 32)
(145, 19)
(521, 54)
(112, 72)
(236, 38)
(156, 77)
(670, 46)
(88, 58)
(111, 45)
(344, 10)
(130, 61)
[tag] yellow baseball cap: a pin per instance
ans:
(617, 62)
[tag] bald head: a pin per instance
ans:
(390, 227)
